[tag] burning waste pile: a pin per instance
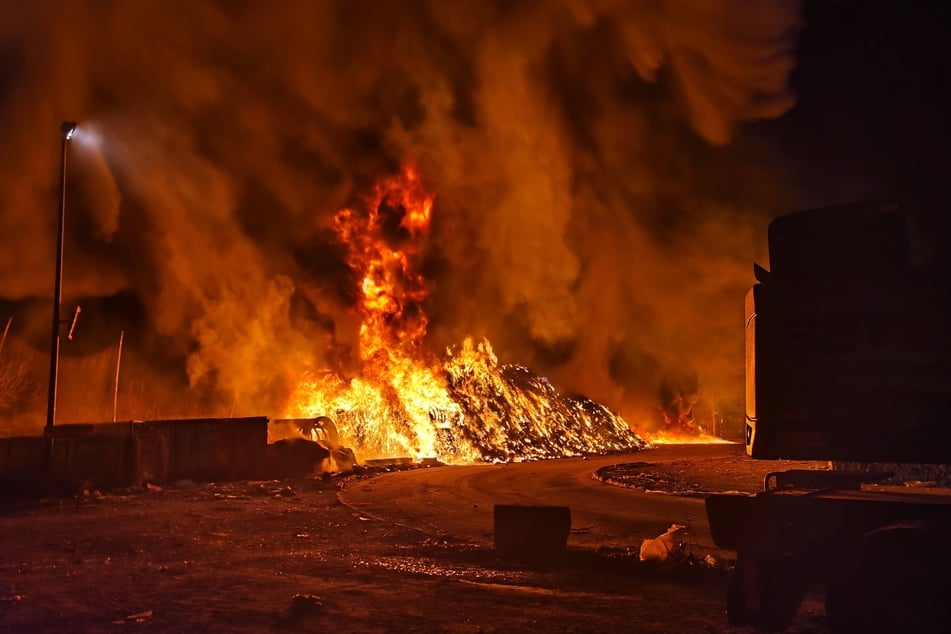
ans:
(404, 401)
(523, 416)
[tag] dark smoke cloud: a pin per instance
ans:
(578, 151)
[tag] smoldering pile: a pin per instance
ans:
(513, 413)
(491, 412)
(524, 417)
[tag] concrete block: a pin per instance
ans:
(531, 532)
(211, 449)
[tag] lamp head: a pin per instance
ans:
(67, 128)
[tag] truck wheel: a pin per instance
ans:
(764, 591)
(893, 580)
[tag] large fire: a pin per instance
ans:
(407, 401)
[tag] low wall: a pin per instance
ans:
(119, 454)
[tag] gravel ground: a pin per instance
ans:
(698, 477)
(290, 556)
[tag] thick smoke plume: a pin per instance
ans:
(590, 219)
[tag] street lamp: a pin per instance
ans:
(67, 128)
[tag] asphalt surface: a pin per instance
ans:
(262, 556)
(459, 500)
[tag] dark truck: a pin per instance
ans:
(848, 360)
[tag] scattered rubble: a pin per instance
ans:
(664, 547)
(138, 617)
(303, 607)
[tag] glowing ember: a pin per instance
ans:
(518, 415)
(406, 401)
(674, 437)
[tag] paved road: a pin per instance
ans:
(459, 500)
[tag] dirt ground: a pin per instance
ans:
(290, 556)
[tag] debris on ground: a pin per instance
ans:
(304, 606)
(665, 546)
(138, 617)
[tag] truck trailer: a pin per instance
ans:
(848, 360)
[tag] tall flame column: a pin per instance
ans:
(67, 128)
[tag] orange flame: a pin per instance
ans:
(406, 401)
(675, 437)
(389, 409)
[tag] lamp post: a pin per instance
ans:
(67, 128)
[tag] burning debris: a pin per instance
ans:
(678, 399)
(521, 416)
(491, 412)
(405, 401)
(319, 451)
